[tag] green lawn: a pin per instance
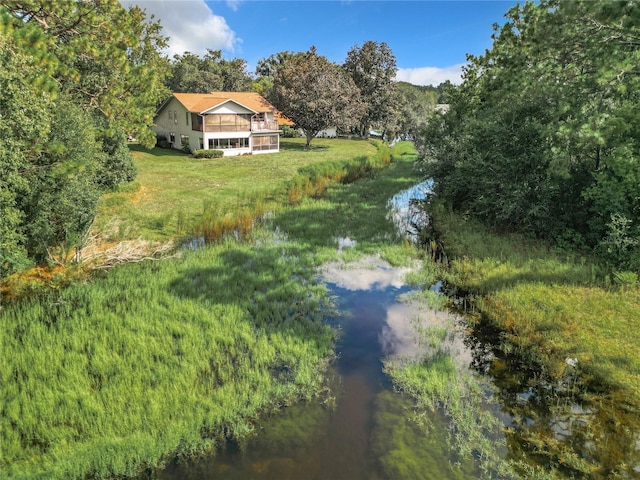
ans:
(171, 185)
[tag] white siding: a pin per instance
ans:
(173, 119)
(229, 107)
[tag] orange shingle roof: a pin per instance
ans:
(201, 102)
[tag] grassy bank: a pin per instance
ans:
(551, 304)
(562, 352)
(172, 191)
(107, 378)
(100, 380)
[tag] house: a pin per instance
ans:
(331, 132)
(234, 122)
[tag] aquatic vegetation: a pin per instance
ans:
(404, 451)
(156, 358)
(561, 349)
(438, 384)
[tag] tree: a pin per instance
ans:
(61, 202)
(77, 77)
(192, 74)
(24, 126)
(265, 71)
(316, 94)
(413, 108)
(373, 68)
(542, 135)
(234, 75)
(107, 58)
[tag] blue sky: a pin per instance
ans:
(429, 38)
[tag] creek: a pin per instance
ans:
(364, 429)
(365, 432)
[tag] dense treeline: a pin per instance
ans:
(543, 135)
(211, 73)
(76, 79)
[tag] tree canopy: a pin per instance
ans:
(192, 74)
(373, 68)
(315, 94)
(413, 108)
(77, 78)
(542, 136)
(265, 71)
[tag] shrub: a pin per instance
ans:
(208, 153)
(289, 132)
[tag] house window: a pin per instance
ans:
(170, 116)
(172, 137)
(227, 123)
(186, 117)
(196, 122)
(266, 142)
(184, 140)
(201, 143)
(175, 117)
(222, 143)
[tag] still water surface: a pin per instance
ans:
(366, 433)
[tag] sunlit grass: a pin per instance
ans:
(552, 304)
(101, 379)
(598, 327)
(171, 184)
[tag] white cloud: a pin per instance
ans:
(190, 24)
(234, 4)
(431, 75)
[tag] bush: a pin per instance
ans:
(289, 132)
(207, 153)
(116, 167)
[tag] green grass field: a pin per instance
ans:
(172, 188)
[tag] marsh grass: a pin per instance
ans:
(401, 448)
(553, 305)
(103, 379)
(220, 220)
(561, 320)
(107, 378)
(355, 210)
(438, 384)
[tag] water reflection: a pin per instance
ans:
(561, 421)
(407, 212)
(369, 433)
(370, 273)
